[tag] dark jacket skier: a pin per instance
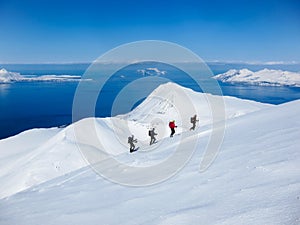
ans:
(152, 135)
(193, 121)
(130, 141)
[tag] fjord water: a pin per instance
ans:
(27, 105)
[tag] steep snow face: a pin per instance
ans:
(265, 77)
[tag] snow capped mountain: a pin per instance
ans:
(255, 178)
(8, 77)
(152, 71)
(161, 101)
(265, 77)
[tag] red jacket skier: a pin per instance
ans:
(172, 127)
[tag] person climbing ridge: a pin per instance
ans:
(193, 121)
(130, 141)
(152, 134)
(172, 127)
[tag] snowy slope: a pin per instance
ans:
(35, 156)
(265, 77)
(254, 180)
(29, 158)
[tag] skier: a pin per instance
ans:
(193, 121)
(152, 134)
(130, 141)
(172, 127)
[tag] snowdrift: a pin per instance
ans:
(255, 179)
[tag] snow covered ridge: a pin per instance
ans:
(9, 77)
(54, 152)
(255, 178)
(265, 77)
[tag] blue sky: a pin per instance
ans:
(80, 31)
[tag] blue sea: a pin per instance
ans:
(43, 104)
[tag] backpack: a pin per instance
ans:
(129, 139)
(149, 132)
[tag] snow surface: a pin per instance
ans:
(8, 77)
(265, 77)
(255, 178)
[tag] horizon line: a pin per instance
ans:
(293, 62)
